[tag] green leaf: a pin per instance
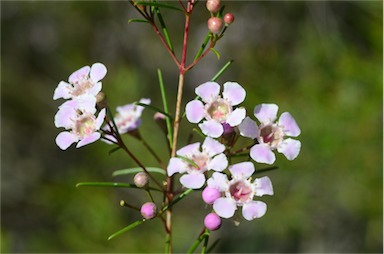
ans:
(136, 170)
(131, 226)
(159, 5)
(138, 21)
(114, 150)
(111, 184)
(222, 70)
(177, 199)
(213, 245)
(165, 105)
(205, 237)
(216, 53)
(154, 109)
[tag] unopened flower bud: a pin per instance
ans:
(229, 18)
(209, 195)
(148, 210)
(160, 120)
(215, 24)
(140, 179)
(212, 221)
(213, 5)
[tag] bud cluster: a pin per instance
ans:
(216, 22)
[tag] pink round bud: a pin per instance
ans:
(213, 5)
(215, 25)
(148, 210)
(140, 179)
(209, 195)
(212, 221)
(229, 18)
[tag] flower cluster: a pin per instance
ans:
(77, 115)
(217, 115)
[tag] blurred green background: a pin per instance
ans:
(320, 61)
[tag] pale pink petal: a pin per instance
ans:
(108, 139)
(225, 207)
(234, 93)
(62, 91)
(98, 72)
(218, 181)
(242, 169)
(219, 163)
(193, 180)
(248, 128)
(79, 74)
(65, 139)
(212, 146)
(84, 102)
(289, 125)
(89, 139)
(176, 165)
(100, 119)
(188, 149)
(266, 113)
(290, 148)
(208, 91)
(95, 89)
(194, 111)
(236, 117)
(254, 209)
(263, 186)
(65, 117)
(211, 128)
(262, 153)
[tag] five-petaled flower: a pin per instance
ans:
(216, 110)
(239, 191)
(196, 162)
(86, 80)
(271, 135)
(77, 116)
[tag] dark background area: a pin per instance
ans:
(320, 61)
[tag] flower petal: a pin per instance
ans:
(62, 91)
(218, 181)
(193, 180)
(212, 146)
(188, 150)
(248, 128)
(266, 113)
(263, 186)
(176, 165)
(65, 139)
(95, 89)
(236, 117)
(64, 117)
(98, 72)
(289, 124)
(234, 93)
(219, 163)
(225, 207)
(79, 74)
(208, 91)
(262, 153)
(290, 148)
(242, 169)
(194, 111)
(100, 119)
(89, 139)
(211, 128)
(254, 209)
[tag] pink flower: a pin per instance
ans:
(195, 162)
(216, 110)
(239, 191)
(78, 117)
(83, 81)
(271, 135)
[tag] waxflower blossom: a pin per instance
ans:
(195, 162)
(83, 81)
(239, 192)
(77, 116)
(271, 135)
(216, 111)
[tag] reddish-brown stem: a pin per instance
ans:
(211, 45)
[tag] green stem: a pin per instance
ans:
(165, 105)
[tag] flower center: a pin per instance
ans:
(81, 86)
(85, 126)
(200, 161)
(219, 109)
(241, 191)
(271, 135)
